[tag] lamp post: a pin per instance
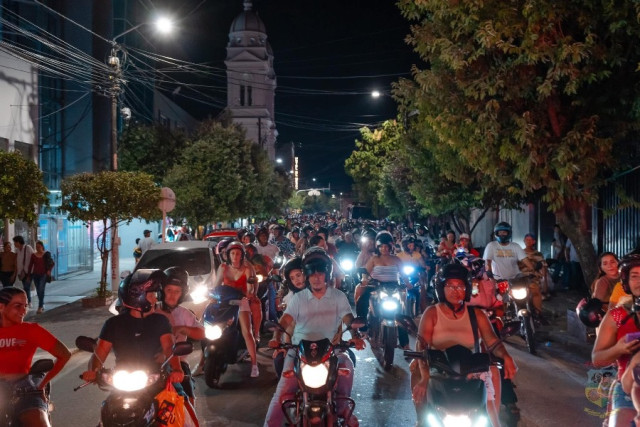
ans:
(163, 25)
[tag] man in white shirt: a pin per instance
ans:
(264, 247)
(502, 255)
(23, 266)
(147, 242)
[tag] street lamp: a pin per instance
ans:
(375, 94)
(279, 161)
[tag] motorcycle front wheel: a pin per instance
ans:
(528, 334)
(389, 341)
(213, 369)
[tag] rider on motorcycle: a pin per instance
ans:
(447, 324)
(21, 340)
(317, 312)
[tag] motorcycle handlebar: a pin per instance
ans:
(414, 354)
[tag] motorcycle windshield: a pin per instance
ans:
(314, 352)
(456, 395)
(222, 294)
(462, 361)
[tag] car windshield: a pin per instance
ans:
(195, 260)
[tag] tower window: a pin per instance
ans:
(242, 90)
(249, 95)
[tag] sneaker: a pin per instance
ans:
(254, 371)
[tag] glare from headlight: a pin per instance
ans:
(130, 381)
(315, 376)
(260, 277)
(389, 305)
(482, 421)
(383, 294)
(396, 295)
(199, 294)
(457, 421)
(212, 332)
(519, 293)
(346, 264)
(432, 421)
(408, 269)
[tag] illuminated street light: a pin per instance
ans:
(164, 25)
(375, 94)
(313, 179)
(279, 161)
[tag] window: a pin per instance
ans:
(4, 144)
(249, 95)
(242, 90)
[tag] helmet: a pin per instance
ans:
(230, 247)
(292, 264)
(261, 231)
(502, 226)
(133, 289)
(315, 259)
(383, 238)
(476, 266)
(590, 312)
(626, 264)
(221, 248)
(406, 240)
(453, 270)
(306, 229)
(177, 276)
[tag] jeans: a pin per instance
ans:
(5, 278)
(288, 386)
(26, 285)
(40, 281)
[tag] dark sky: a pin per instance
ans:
(328, 46)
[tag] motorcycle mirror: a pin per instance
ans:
(407, 323)
(358, 323)
(86, 343)
(273, 326)
(182, 348)
(124, 274)
(40, 366)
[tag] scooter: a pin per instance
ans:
(348, 286)
(518, 308)
(224, 344)
(385, 303)
(316, 369)
(132, 393)
(10, 392)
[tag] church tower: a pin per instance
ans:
(251, 80)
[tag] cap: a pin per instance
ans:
(146, 232)
(465, 236)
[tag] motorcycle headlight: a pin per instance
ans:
(260, 277)
(456, 421)
(408, 270)
(390, 305)
(519, 293)
(315, 376)
(212, 332)
(131, 381)
(346, 265)
(199, 294)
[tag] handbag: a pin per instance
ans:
(170, 407)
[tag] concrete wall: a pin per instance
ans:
(177, 118)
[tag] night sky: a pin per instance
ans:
(324, 46)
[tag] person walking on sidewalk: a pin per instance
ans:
(21, 340)
(147, 242)
(40, 271)
(23, 264)
(8, 265)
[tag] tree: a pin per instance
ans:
(21, 188)
(113, 198)
(535, 98)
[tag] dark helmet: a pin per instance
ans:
(383, 238)
(177, 276)
(292, 264)
(315, 259)
(234, 245)
(476, 266)
(626, 264)
(590, 312)
(133, 289)
(306, 229)
(221, 248)
(502, 226)
(453, 270)
(409, 238)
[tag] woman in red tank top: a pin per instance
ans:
(612, 344)
(238, 274)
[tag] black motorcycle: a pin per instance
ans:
(385, 303)
(316, 368)
(132, 391)
(11, 391)
(224, 343)
(516, 298)
(348, 286)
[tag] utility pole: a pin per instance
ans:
(114, 63)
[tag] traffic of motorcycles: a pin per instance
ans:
(455, 396)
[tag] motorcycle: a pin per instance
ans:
(224, 344)
(417, 278)
(132, 394)
(516, 299)
(11, 392)
(348, 286)
(268, 286)
(385, 303)
(316, 368)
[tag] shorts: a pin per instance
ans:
(620, 399)
(244, 304)
(31, 400)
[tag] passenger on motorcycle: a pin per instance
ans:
(346, 246)
(285, 245)
(447, 245)
(138, 335)
(502, 255)
(539, 274)
(316, 312)
(447, 324)
(338, 274)
(264, 247)
(612, 345)
(183, 322)
(241, 275)
(465, 243)
(367, 248)
(19, 342)
(608, 278)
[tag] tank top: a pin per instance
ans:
(620, 315)
(240, 283)
(450, 332)
(385, 273)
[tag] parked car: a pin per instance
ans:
(219, 234)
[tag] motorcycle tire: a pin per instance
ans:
(213, 369)
(389, 340)
(528, 334)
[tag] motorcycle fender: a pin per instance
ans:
(523, 312)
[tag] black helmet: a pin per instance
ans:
(315, 259)
(590, 312)
(133, 289)
(177, 276)
(384, 238)
(502, 226)
(230, 247)
(409, 238)
(453, 270)
(292, 264)
(626, 264)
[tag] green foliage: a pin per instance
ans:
(311, 204)
(21, 188)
